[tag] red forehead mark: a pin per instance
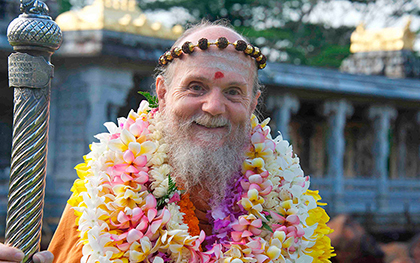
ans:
(218, 75)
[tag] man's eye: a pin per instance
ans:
(196, 87)
(233, 92)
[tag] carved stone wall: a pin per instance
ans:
(307, 133)
(358, 156)
(317, 151)
(6, 121)
(407, 142)
(8, 10)
(393, 64)
(350, 154)
(295, 139)
(82, 100)
(69, 108)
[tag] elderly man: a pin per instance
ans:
(198, 162)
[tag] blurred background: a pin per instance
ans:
(342, 85)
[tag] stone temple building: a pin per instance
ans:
(356, 131)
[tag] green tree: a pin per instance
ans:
(291, 31)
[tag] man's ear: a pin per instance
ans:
(255, 101)
(161, 89)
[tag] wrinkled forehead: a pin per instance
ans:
(212, 33)
(226, 60)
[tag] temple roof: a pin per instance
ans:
(116, 15)
(386, 39)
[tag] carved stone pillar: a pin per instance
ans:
(402, 149)
(337, 112)
(34, 37)
(381, 117)
(284, 106)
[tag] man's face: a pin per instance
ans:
(211, 91)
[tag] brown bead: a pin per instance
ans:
(203, 43)
(261, 66)
(162, 60)
(222, 42)
(256, 52)
(240, 45)
(249, 49)
(261, 59)
(168, 56)
(176, 52)
(188, 47)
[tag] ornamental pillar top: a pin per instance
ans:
(338, 107)
(288, 101)
(34, 30)
(377, 111)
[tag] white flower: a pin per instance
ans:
(157, 159)
(96, 247)
(112, 127)
(143, 107)
(161, 189)
(176, 218)
(102, 137)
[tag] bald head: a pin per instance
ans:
(212, 31)
(209, 31)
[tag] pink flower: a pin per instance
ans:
(175, 198)
(114, 136)
(258, 182)
(246, 226)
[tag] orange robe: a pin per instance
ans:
(64, 244)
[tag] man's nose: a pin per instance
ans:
(214, 103)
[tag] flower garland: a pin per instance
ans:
(129, 210)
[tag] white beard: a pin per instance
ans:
(206, 165)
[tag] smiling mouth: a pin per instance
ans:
(209, 126)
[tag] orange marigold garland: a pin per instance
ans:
(189, 217)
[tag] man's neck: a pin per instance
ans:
(201, 199)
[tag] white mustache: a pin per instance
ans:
(211, 121)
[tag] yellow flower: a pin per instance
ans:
(254, 121)
(315, 195)
(317, 215)
(236, 255)
(322, 250)
(252, 164)
(126, 197)
(139, 251)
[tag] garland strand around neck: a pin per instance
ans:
(129, 210)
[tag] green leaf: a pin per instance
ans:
(266, 226)
(171, 189)
(153, 100)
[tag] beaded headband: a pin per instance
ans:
(221, 43)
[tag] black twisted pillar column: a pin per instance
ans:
(34, 36)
